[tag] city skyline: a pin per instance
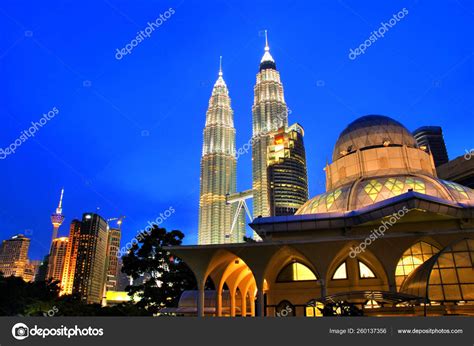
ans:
(132, 171)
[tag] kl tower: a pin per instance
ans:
(57, 218)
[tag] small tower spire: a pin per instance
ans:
(220, 66)
(59, 209)
(267, 57)
(267, 48)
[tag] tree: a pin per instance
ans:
(163, 276)
(25, 298)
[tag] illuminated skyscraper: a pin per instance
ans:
(70, 260)
(57, 218)
(86, 263)
(218, 171)
(14, 256)
(56, 258)
(431, 137)
(269, 113)
(91, 263)
(287, 177)
(113, 246)
(31, 270)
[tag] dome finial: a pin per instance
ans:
(220, 66)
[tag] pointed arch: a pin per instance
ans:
(341, 272)
(365, 272)
(296, 271)
(284, 257)
(413, 257)
(353, 280)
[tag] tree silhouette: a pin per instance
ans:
(161, 276)
(18, 297)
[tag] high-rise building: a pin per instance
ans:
(42, 271)
(460, 170)
(56, 259)
(31, 270)
(70, 260)
(91, 263)
(113, 247)
(432, 138)
(57, 218)
(14, 256)
(123, 280)
(269, 113)
(218, 171)
(86, 263)
(286, 171)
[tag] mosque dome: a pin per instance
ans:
(372, 131)
(369, 191)
(376, 158)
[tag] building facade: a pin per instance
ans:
(71, 257)
(113, 247)
(14, 257)
(218, 171)
(269, 113)
(57, 258)
(387, 236)
(85, 268)
(431, 138)
(31, 271)
(460, 170)
(286, 171)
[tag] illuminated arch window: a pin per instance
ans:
(412, 259)
(365, 272)
(448, 276)
(296, 271)
(371, 304)
(341, 272)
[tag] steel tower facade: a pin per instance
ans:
(218, 171)
(269, 113)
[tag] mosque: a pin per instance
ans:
(387, 237)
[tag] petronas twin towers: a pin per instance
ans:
(218, 170)
(219, 165)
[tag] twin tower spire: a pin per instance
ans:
(219, 162)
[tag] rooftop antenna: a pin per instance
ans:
(267, 48)
(60, 205)
(220, 66)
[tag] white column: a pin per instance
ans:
(200, 300)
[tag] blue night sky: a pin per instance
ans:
(62, 54)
